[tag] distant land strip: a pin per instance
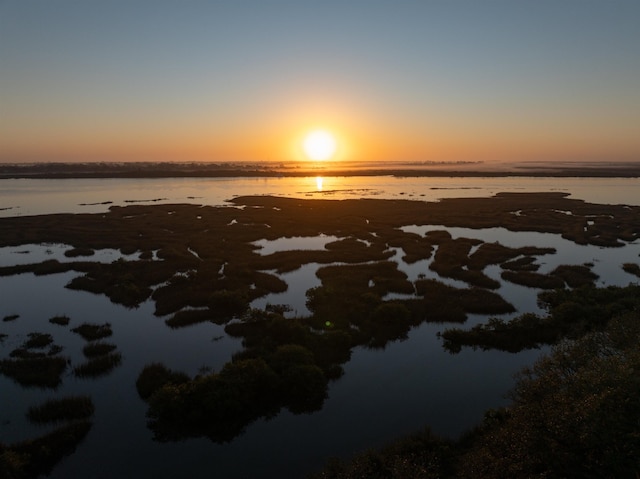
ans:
(230, 170)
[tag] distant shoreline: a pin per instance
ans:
(274, 170)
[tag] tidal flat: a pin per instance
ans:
(193, 265)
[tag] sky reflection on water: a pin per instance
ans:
(20, 197)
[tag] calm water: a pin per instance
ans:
(33, 197)
(383, 394)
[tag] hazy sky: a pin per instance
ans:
(394, 80)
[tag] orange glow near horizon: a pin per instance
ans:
(356, 134)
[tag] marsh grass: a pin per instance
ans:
(65, 409)
(632, 268)
(575, 275)
(23, 353)
(95, 349)
(38, 341)
(45, 372)
(75, 252)
(37, 457)
(572, 314)
(495, 253)
(156, 375)
(526, 263)
(189, 317)
(98, 366)
(452, 261)
(532, 279)
(348, 309)
(223, 245)
(440, 297)
(62, 320)
(92, 332)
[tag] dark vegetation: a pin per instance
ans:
(98, 365)
(32, 365)
(526, 263)
(226, 261)
(94, 349)
(421, 455)
(65, 409)
(60, 320)
(37, 457)
(165, 169)
(574, 414)
(571, 314)
(26, 353)
(209, 269)
(156, 375)
(632, 268)
(220, 405)
(573, 276)
(10, 317)
(91, 332)
(453, 260)
(75, 252)
(45, 372)
(532, 279)
(37, 340)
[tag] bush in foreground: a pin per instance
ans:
(574, 414)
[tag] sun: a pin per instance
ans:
(319, 145)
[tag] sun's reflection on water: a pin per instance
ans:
(319, 181)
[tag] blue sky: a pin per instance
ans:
(242, 80)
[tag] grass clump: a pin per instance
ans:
(632, 268)
(62, 320)
(91, 332)
(93, 350)
(533, 280)
(45, 372)
(37, 457)
(75, 252)
(23, 353)
(10, 317)
(189, 317)
(98, 366)
(156, 375)
(66, 409)
(526, 263)
(575, 275)
(38, 341)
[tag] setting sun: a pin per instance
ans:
(319, 145)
